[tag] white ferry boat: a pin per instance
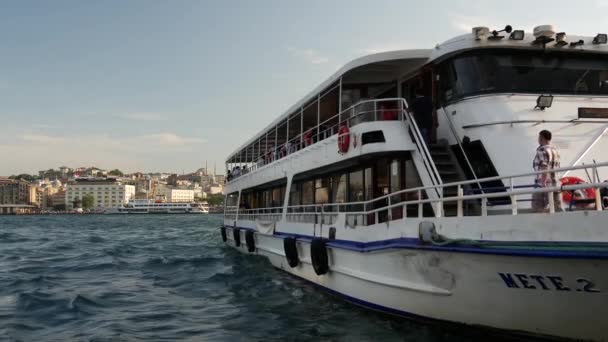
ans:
(149, 206)
(342, 190)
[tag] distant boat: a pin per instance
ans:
(148, 206)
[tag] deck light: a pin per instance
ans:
(517, 35)
(560, 39)
(601, 38)
(544, 101)
(579, 43)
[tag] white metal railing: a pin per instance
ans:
(269, 214)
(384, 208)
(371, 210)
(386, 109)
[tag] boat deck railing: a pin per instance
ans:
(414, 202)
(386, 109)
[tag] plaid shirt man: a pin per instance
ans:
(546, 158)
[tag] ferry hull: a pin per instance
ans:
(545, 296)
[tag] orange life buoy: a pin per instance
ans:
(343, 139)
(569, 196)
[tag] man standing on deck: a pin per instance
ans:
(546, 158)
(423, 114)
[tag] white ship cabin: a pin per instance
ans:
(355, 145)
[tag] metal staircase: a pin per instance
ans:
(449, 171)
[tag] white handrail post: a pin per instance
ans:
(460, 193)
(551, 202)
(484, 206)
(419, 204)
(513, 198)
(390, 210)
(375, 110)
(598, 199)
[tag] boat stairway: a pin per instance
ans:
(450, 171)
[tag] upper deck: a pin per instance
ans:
(380, 76)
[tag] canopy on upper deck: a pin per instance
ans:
(326, 99)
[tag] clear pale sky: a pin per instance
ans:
(165, 85)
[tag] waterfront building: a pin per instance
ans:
(106, 192)
(177, 195)
(14, 191)
(57, 200)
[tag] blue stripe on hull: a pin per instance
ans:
(540, 249)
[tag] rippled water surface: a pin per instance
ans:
(165, 278)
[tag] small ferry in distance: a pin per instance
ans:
(404, 183)
(149, 206)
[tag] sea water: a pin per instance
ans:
(166, 278)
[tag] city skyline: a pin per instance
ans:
(167, 85)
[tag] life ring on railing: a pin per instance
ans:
(250, 241)
(236, 235)
(291, 251)
(318, 256)
(343, 139)
(223, 231)
(569, 196)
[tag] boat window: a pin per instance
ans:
(295, 194)
(277, 197)
(369, 183)
(322, 190)
(497, 71)
(328, 108)
(231, 199)
(355, 186)
(338, 189)
(308, 192)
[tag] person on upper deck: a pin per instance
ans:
(422, 106)
(546, 158)
(236, 172)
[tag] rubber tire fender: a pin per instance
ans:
(236, 235)
(318, 256)
(250, 241)
(223, 231)
(291, 251)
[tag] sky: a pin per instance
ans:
(167, 86)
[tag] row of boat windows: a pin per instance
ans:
(363, 182)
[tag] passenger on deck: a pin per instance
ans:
(422, 106)
(228, 176)
(236, 172)
(307, 138)
(245, 169)
(546, 158)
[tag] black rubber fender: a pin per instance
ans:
(250, 241)
(236, 235)
(318, 256)
(291, 251)
(223, 231)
